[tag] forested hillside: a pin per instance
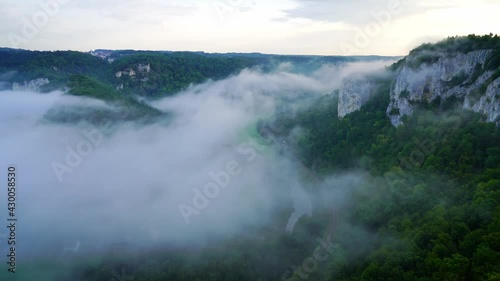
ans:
(434, 206)
(170, 72)
(424, 205)
(150, 74)
(121, 107)
(428, 211)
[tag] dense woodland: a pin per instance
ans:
(429, 209)
(170, 72)
(434, 203)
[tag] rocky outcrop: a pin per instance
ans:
(129, 71)
(144, 67)
(353, 93)
(447, 75)
(141, 68)
(426, 77)
(33, 85)
(489, 104)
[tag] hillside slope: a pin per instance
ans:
(145, 73)
(458, 71)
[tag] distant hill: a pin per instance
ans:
(121, 107)
(146, 73)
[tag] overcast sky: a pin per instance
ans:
(323, 27)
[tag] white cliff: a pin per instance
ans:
(33, 85)
(450, 75)
(144, 67)
(489, 104)
(353, 93)
(141, 68)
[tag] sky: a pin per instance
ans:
(315, 27)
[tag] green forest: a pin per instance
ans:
(427, 209)
(169, 73)
(430, 210)
(433, 204)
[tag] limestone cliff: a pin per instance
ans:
(459, 75)
(33, 85)
(353, 93)
(466, 78)
(489, 104)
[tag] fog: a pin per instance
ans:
(204, 175)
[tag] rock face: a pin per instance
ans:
(353, 93)
(33, 85)
(141, 68)
(431, 77)
(144, 67)
(489, 104)
(456, 75)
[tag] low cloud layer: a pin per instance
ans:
(205, 174)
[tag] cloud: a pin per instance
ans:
(361, 11)
(352, 12)
(281, 26)
(130, 182)
(134, 11)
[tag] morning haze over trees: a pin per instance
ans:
(428, 211)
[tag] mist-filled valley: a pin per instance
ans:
(267, 168)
